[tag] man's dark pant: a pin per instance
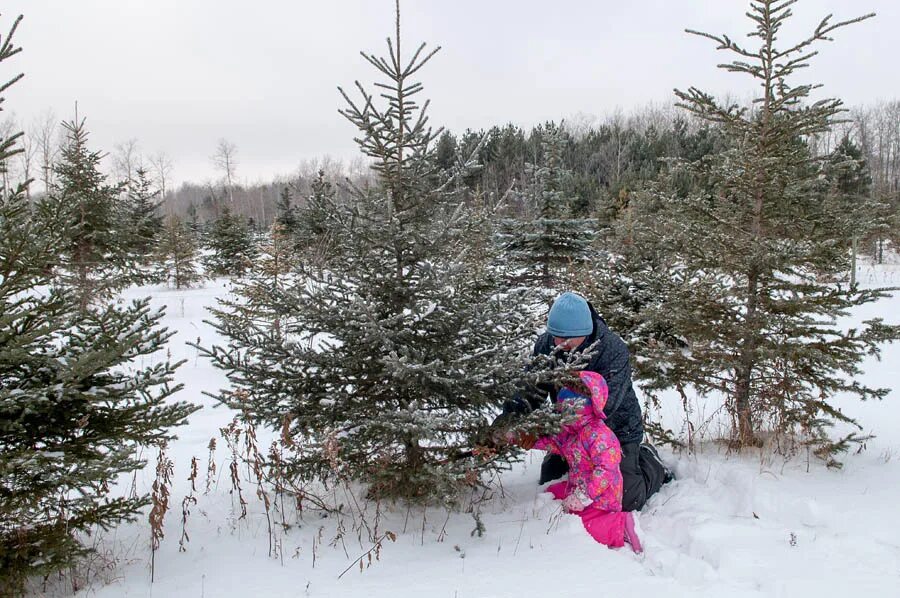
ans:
(642, 475)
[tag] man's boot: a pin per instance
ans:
(649, 452)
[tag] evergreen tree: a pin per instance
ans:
(258, 301)
(141, 219)
(83, 206)
(632, 286)
(177, 254)
(547, 243)
(286, 212)
(753, 252)
(231, 246)
(75, 398)
(504, 164)
(445, 151)
(193, 222)
(852, 194)
(314, 238)
(391, 356)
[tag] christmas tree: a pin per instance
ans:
(141, 220)
(84, 207)
(390, 359)
(286, 211)
(312, 234)
(753, 249)
(259, 294)
(852, 194)
(231, 245)
(74, 402)
(177, 254)
(550, 239)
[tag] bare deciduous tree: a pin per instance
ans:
(7, 174)
(161, 166)
(877, 132)
(225, 160)
(47, 136)
(126, 160)
(29, 152)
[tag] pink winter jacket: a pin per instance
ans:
(591, 450)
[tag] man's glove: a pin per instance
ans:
(516, 406)
(552, 468)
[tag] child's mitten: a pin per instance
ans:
(576, 502)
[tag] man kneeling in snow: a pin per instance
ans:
(574, 326)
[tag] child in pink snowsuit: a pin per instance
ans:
(594, 488)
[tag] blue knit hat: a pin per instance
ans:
(570, 316)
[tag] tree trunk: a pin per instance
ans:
(746, 435)
(744, 370)
(177, 265)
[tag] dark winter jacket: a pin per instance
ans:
(611, 360)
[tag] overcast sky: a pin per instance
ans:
(177, 75)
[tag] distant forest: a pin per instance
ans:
(609, 159)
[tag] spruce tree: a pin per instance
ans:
(313, 232)
(550, 239)
(230, 242)
(258, 297)
(177, 255)
(286, 212)
(141, 220)
(193, 222)
(445, 151)
(852, 193)
(392, 356)
(81, 387)
(753, 253)
(83, 206)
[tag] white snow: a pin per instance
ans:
(730, 525)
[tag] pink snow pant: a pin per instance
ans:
(610, 528)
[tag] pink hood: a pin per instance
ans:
(599, 391)
(599, 394)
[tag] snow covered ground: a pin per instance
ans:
(731, 525)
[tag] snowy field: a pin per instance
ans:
(730, 525)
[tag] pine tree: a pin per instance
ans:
(177, 255)
(258, 296)
(142, 221)
(392, 356)
(286, 212)
(76, 399)
(547, 243)
(313, 234)
(231, 246)
(852, 194)
(82, 205)
(445, 152)
(193, 222)
(753, 251)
